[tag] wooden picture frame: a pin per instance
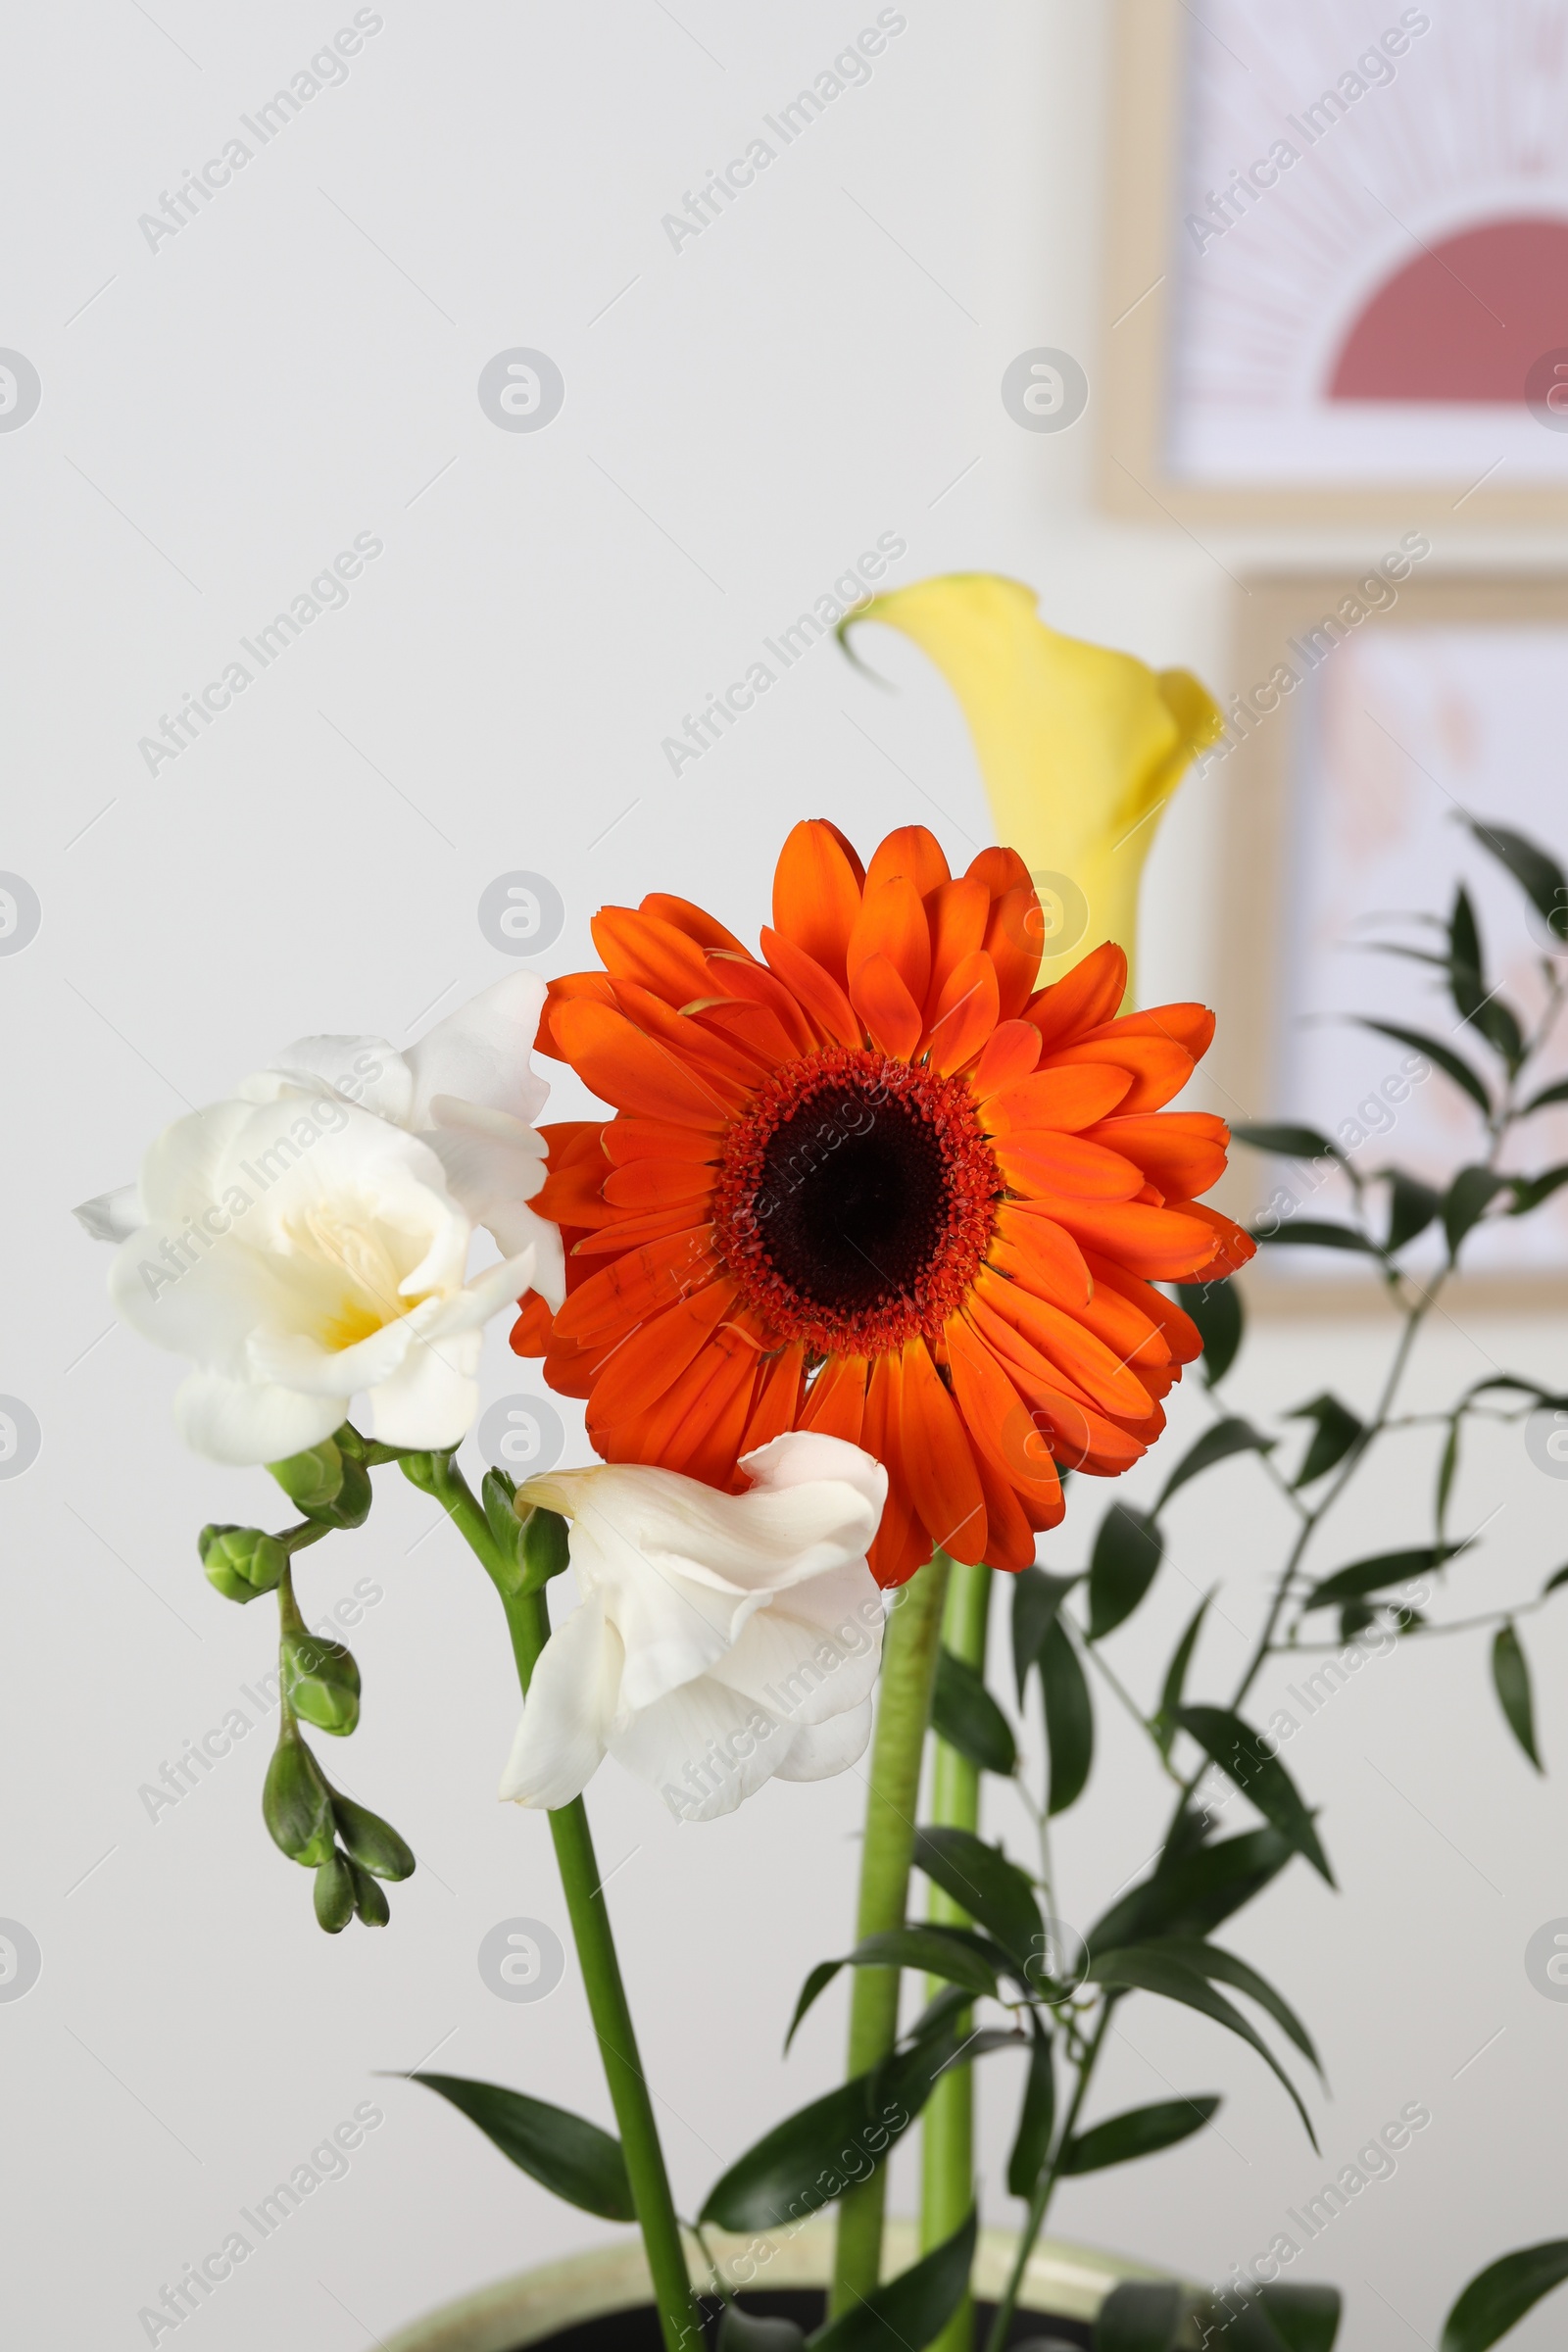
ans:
(1138, 383)
(1259, 780)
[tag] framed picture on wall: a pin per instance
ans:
(1338, 268)
(1345, 794)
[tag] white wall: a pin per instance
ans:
(296, 366)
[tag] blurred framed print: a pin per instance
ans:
(1339, 262)
(1378, 713)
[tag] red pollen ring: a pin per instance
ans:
(972, 1183)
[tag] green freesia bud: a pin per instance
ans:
(296, 1801)
(372, 1844)
(543, 1547)
(320, 1681)
(313, 1480)
(334, 1894)
(241, 1561)
(368, 1900)
(425, 1470)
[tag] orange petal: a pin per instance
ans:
(1235, 1245)
(892, 922)
(820, 997)
(937, 1460)
(1010, 1054)
(898, 1546)
(913, 853)
(1035, 1250)
(835, 1404)
(1000, 870)
(1067, 1345)
(1181, 1151)
(1014, 936)
(655, 1139)
(661, 1432)
(1066, 1100)
(1130, 1335)
(709, 934)
(1190, 1026)
(1009, 1527)
(1181, 1334)
(659, 1184)
(658, 1350)
(729, 1066)
(628, 1230)
(890, 1012)
(1004, 1431)
(641, 948)
(1081, 998)
(957, 913)
(1159, 1243)
(1044, 1162)
(530, 1333)
(777, 1402)
(1159, 1068)
(816, 895)
(572, 988)
(638, 1284)
(633, 1071)
(751, 1027)
(712, 1434)
(966, 1015)
(1076, 1434)
(732, 976)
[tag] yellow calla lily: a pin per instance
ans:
(1079, 747)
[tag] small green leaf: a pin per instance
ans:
(1122, 1567)
(1337, 1430)
(908, 2312)
(1287, 1141)
(755, 2331)
(1150, 1968)
(1497, 2297)
(964, 1714)
(945, 1952)
(1448, 1469)
(1529, 1191)
(1069, 1719)
(1195, 1893)
(1467, 972)
(1450, 1064)
(1242, 1756)
(1510, 1676)
(1412, 1206)
(1557, 1093)
(1373, 1575)
(1037, 1596)
(1558, 1577)
(985, 1883)
(1216, 1309)
(1140, 2132)
(1036, 2117)
(1467, 1200)
(1171, 1698)
(780, 2177)
(1316, 1233)
(1141, 2315)
(1216, 1445)
(1225, 1967)
(1306, 2319)
(1538, 875)
(565, 2153)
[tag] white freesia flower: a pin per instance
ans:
(301, 1250)
(467, 1090)
(722, 1640)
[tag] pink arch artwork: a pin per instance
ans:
(1463, 322)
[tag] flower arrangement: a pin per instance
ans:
(886, 1232)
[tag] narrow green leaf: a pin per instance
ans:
(1171, 1698)
(991, 1888)
(910, 2311)
(1558, 1577)
(1197, 1893)
(1448, 1469)
(1337, 1428)
(1538, 875)
(1529, 1191)
(1036, 2118)
(945, 1952)
(779, 2178)
(1141, 2315)
(1510, 1676)
(1150, 1968)
(1224, 1968)
(1216, 1445)
(1287, 1141)
(1497, 2297)
(562, 2151)
(1306, 2319)
(1373, 1575)
(1450, 1064)
(1216, 1309)
(1412, 1206)
(1242, 1756)
(1037, 1596)
(1466, 971)
(1069, 1719)
(1556, 1093)
(1122, 1566)
(967, 1716)
(1467, 1200)
(1316, 1233)
(755, 2331)
(1140, 2132)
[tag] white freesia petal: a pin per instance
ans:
(432, 1396)
(751, 1626)
(559, 1743)
(818, 1751)
(246, 1421)
(516, 1228)
(480, 1054)
(367, 1070)
(111, 1217)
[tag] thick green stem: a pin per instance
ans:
(904, 1710)
(947, 2129)
(528, 1622)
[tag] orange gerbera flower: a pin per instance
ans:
(875, 1184)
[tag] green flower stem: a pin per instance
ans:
(528, 1622)
(904, 1711)
(947, 2130)
(1040, 2202)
